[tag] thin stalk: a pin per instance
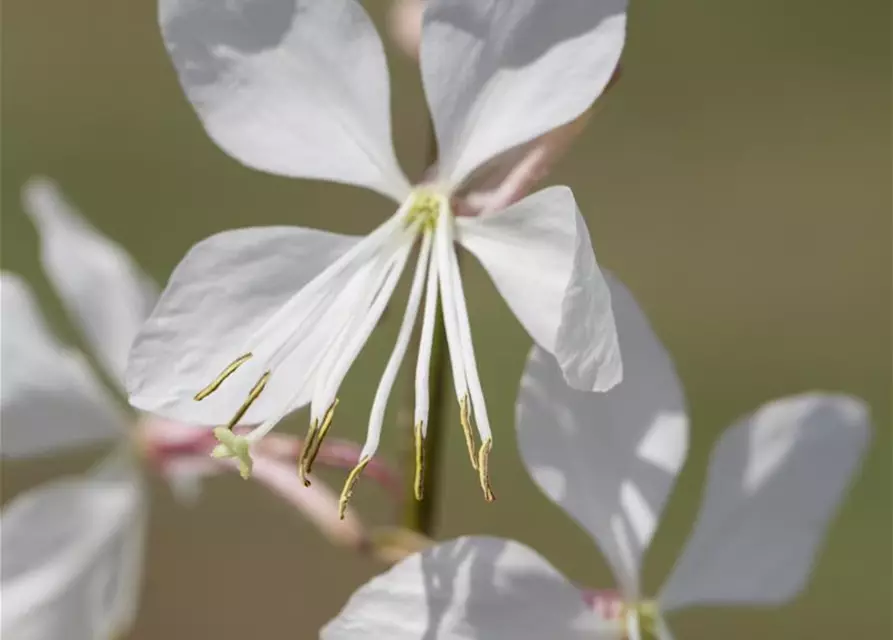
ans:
(419, 515)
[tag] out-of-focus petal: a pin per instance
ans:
(608, 459)
(498, 73)
(103, 289)
(774, 483)
(49, 397)
(225, 290)
(292, 87)
(541, 260)
(72, 552)
(467, 589)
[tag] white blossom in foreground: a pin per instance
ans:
(275, 316)
(609, 461)
(72, 548)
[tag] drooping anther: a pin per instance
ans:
(484, 469)
(319, 436)
(229, 370)
(465, 420)
(419, 481)
(347, 491)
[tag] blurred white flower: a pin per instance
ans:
(72, 549)
(300, 88)
(609, 461)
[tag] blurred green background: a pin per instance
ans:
(738, 179)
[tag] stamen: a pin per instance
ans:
(305, 305)
(426, 343)
(256, 390)
(465, 419)
(484, 469)
(404, 335)
(360, 332)
(347, 491)
(305, 452)
(320, 436)
(424, 210)
(482, 422)
(219, 380)
(419, 483)
(448, 308)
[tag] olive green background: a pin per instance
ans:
(738, 179)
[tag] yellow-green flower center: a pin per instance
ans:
(424, 209)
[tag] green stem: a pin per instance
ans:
(419, 515)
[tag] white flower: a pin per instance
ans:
(72, 548)
(609, 460)
(300, 88)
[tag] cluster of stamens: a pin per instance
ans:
(426, 215)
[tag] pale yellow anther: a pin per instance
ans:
(255, 392)
(319, 436)
(233, 446)
(229, 370)
(419, 481)
(484, 469)
(424, 210)
(465, 420)
(305, 452)
(347, 491)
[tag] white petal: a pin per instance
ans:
(608, 459)
(71, 550)
(498, 73)
(540, 257)
(467, 589)
(104, 290)
(226, 288)
(49, 396)
(292, 87)
(774, 483)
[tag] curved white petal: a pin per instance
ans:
(541, 260)
(226, 289)
(467, 589)
(292, 87)
(103, 289)
(49, 396)
(774, 483)
(71, 557)
(498, 73)
(608, 459)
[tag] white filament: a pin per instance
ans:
(426, 341)
(370, 283)
(380, 403)
(443, 246)
(309, 303)
(359, 338)
(481, 419)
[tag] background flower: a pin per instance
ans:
(76, 545)
(609, 460)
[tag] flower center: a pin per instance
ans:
(360, 285)
(424, 210)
